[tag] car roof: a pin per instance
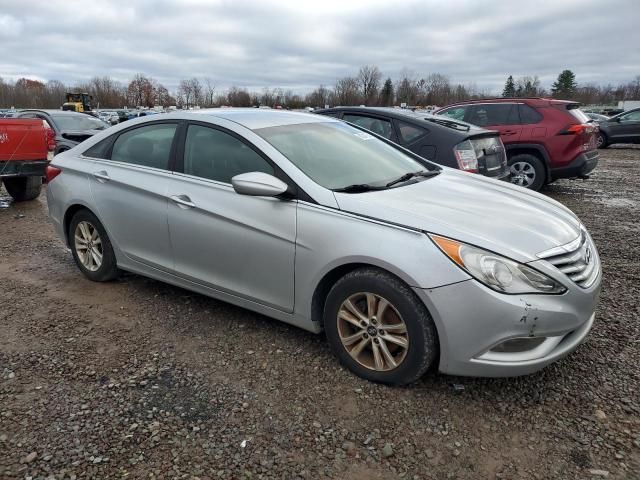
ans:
(51, 111)
(532, 101)
(404, 113)
(254, 118)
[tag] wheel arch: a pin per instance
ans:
(531, 149)
(335, 272)
(68, 215)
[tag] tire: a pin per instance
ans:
(602, 141)
(527, 171)
(23, 189)
(404, 318)
(85, 223)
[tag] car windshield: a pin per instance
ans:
(336, 155)
(78, 122)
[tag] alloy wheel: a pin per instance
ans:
(599, 141)
(88, 245)
(372, 331)
(523, 174)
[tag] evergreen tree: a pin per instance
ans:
(509, 88)
(386, 94)
(565, 86)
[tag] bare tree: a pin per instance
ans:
(406, 88)
(347, 92)
(209, 92)
(369, 78)
(185, 93)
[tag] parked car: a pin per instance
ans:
(623, 128)
(26, 146)
(301, 217)
(110, 117)
(71, 128)
(546, 139)
(596, 117)
(452, 143)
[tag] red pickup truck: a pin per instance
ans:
(26, 147)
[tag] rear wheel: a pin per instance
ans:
(91, 247)
(602, 141)
(379, 329)
(23, 188)
(527, 171)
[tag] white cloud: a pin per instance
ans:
(302, 44)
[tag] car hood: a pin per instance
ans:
(491, 214)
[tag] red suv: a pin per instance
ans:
(546, 139)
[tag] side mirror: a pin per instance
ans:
(258, 184)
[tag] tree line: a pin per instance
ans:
(366, 87)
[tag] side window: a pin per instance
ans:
(631, 117)
(494, 114)
(409, 132)
(99, 150)
(457, 113)
(332, 114)
(149, 146)
(528, 115)
(376, 125)
(216, 155)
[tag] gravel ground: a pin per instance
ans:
(137, 379)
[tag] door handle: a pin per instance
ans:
(509, 132)
(102, 176)
(183, 201)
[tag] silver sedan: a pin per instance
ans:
(404, 264)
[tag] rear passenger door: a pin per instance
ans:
(238, 244)
(373, 123)
(502, 117)
(129, 180)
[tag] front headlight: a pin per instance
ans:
(495, 271)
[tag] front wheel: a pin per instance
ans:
(23, 189)
(91, 247)
(527, 171)
(379, 329)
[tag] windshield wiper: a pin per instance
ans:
(357, 188)
(410, 175)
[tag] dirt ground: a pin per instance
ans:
(139, 379)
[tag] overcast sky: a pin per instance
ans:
(301, 44)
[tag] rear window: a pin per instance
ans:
(494, 114)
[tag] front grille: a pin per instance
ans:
(578, 260)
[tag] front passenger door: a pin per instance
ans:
(241, 245)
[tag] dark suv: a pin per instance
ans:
(443, 141)
(546, 139)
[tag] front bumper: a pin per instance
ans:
(472, 320)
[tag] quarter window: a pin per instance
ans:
(528, 115)
(216, 155)
(375, 125)
(148, 146)
(409, 132)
